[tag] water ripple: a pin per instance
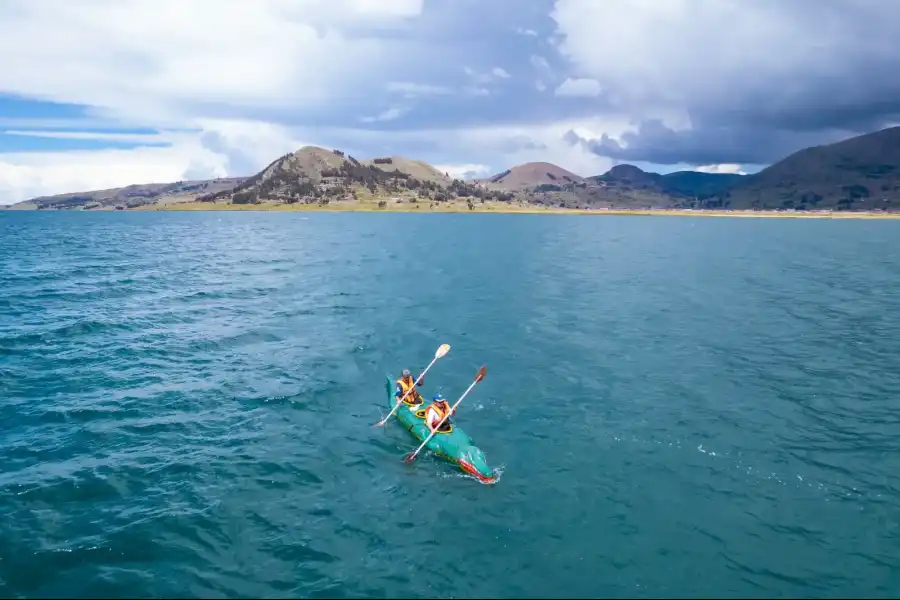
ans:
(677, 407)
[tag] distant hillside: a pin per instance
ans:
(131, 196)
(696, 183)
(530, 175)
(627, 186)
(414, 168)
(860, 173)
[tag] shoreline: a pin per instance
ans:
(503, 208)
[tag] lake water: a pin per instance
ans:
(678, 406)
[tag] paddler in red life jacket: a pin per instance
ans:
(404, 384)
(436, 411)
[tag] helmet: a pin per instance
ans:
(437, 397)
(406, 373)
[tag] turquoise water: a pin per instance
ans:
(678, 407)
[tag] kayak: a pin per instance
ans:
(454, 445)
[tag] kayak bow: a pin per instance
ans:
(454, 445)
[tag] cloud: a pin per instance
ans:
(410, 89)
(245, 147)
(723, 168)
(224, 87)
(42, 173)
(488, 77)
(755, 80)
(218, 149)
(386, 115)
(518, 144)
(466, 171)
(143, 139)
(539, 62)
(581, 87)
(174, 55)
(654, 141)
(545, 72)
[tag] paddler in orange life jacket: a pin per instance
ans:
(436, 411)
(406, 382)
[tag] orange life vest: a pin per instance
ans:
(413, 397)
(441, 409)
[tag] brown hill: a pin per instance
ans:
(531, 175)
(414, 168)
(318, 175)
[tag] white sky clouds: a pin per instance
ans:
(473, 86)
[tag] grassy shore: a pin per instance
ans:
(504, 208)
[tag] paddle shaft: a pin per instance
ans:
(411, 389)
(412, 456)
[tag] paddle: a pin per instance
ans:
(442, 351)
(412, 455)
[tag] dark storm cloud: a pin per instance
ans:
(759, 80)
(655, 143)
(757, 135)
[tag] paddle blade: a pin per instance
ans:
(409, 458)
(442, 350)
(481, 374)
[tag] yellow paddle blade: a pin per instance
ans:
(442, 350)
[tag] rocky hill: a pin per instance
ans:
(314, 174)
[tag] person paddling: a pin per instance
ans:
(438, 409)
(404, 384)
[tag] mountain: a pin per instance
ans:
(529, 175)
(860, 173)
(313, 174)
(699, 184)
(132, 195)
(627, 186)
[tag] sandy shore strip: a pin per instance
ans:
(507, 208)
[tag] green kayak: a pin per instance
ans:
(453, 445)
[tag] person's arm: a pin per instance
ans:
(399, 392)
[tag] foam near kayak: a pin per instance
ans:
(454, 445)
